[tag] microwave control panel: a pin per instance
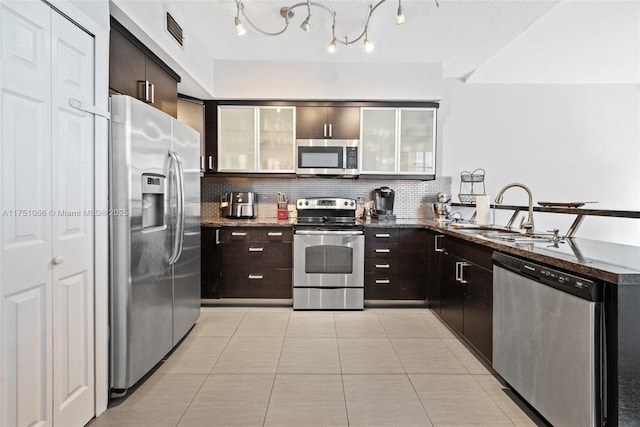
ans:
(352, 158)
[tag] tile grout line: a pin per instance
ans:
(275, 374)
(344, 392)
(206, 376)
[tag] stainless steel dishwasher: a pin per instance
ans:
(547, 340)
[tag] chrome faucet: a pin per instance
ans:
(527, 225)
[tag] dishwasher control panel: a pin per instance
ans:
(562, 280)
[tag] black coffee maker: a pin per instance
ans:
(384, 197)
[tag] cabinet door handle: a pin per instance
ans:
(274, 234)
(256, 249)
(324, 130)
(145, 91)
(330, 130)
(383, 251)
(217, 236)
(202, 168)
(382, 281)
(256, 276)
(382, 266)
(210, 163)
(460, 271)
(437, 243)
(238, 233)
(383, 235)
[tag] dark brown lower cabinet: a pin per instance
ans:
(256, 262)
(433, 269)
(211, 263)
(413, 272)
(466, 292)
(395, 264)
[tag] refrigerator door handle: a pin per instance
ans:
(177, 246)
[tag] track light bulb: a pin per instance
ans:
(332, 46)
(240, 29)
(368, 46)
(400, 15)
(306, 24)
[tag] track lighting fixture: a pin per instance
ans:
(287, 13)
(400, 15)
(240, 27)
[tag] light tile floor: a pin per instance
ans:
(271, 366)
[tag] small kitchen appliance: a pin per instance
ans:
(442, 207)
(238, 204)
(328, 255)
(384, 197)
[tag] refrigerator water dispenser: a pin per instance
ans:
(152, 200)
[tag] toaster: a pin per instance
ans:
(238, 204)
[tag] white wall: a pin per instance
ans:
(565, 142)
(327, 80)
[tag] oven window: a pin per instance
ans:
(328, 259)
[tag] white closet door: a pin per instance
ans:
(46, 233)
(25, 253)
(72, 200)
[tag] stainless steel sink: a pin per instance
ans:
(516, 237)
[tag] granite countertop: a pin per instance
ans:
(253, 222)
(610, 262)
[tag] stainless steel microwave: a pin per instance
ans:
(338, 157)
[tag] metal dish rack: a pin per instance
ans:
(470, 183)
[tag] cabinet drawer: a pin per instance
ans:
(380, 287)
(246, 255)
(375, 235)
(233, 233)
(384, 267)
(273, 283)
(275, 235)
(381, 250)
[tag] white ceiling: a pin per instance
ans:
(461, 35)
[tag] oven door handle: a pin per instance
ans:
(330, 232)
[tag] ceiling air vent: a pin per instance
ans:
(174, 29)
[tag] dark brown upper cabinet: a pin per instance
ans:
(324, 122)
(135, 71)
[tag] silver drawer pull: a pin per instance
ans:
(256, 276)
(383, 251)
(382, 281)
(256, 249)
(238, 233)
(437, 243)
(382, 265)
(381, 235)
(275, 234)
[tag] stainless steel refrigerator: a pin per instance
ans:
(154, 201)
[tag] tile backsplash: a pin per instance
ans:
(412, 197)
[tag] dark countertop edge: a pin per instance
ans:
(617, 278)
(249, 222)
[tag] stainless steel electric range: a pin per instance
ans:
(328, 255)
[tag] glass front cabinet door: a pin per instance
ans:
(276, 140)
(398, 141)
(256, 139)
